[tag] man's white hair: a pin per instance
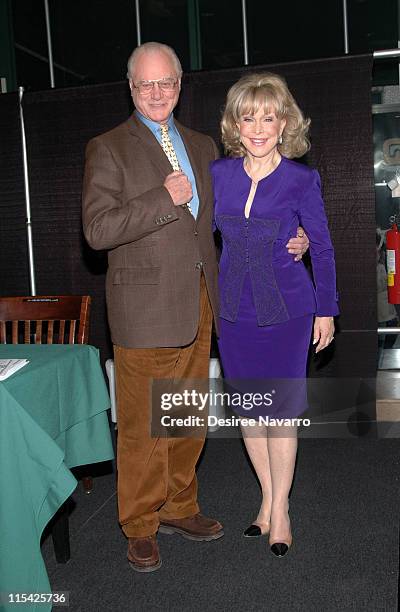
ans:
(153, 47)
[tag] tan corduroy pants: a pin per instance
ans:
(156, 476)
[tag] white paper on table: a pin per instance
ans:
(10, 366)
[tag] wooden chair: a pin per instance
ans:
(44, 319)
(48, 319)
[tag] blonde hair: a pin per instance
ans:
(269, 92)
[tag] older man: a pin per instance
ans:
(148, 200)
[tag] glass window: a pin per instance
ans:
(373, 25)
(30, 43)
(296, 31)
(92, 40)
(387, 197)
(221, 29)
(166, 21)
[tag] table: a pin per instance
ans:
(52, 417)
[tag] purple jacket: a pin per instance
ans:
(282, 288)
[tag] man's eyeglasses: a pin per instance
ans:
(166, 84)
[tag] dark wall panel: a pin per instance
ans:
(14, 272)
(59, 124)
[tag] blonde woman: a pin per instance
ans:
(269, 306)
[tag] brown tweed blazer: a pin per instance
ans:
(156, 251)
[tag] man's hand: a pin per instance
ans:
(298, 246)
(179, 188)
(324, 330)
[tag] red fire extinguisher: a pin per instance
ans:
(393, 264)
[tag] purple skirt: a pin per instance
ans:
(271, 359)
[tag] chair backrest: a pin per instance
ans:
(45, 319)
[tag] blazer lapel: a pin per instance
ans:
(150, 144)
(195, 155)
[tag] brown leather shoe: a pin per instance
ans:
(197, 527)
(143, 554)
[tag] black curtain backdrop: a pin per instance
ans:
(58, 125)
(334, 93)
(14, 271)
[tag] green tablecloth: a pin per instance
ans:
(52, 417)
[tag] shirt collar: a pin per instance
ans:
(153, 125)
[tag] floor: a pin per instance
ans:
(344, 509)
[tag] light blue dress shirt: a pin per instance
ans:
(180, 151)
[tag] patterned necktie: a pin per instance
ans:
(170, 152)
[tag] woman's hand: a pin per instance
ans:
(299, 245)
(324, 330)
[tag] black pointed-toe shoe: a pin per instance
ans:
(255, 531)
(280, 549)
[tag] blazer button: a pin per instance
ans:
(199, 265)
(196, 233)
(169, 216)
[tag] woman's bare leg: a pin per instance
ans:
(255, 439)
(282, 449)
